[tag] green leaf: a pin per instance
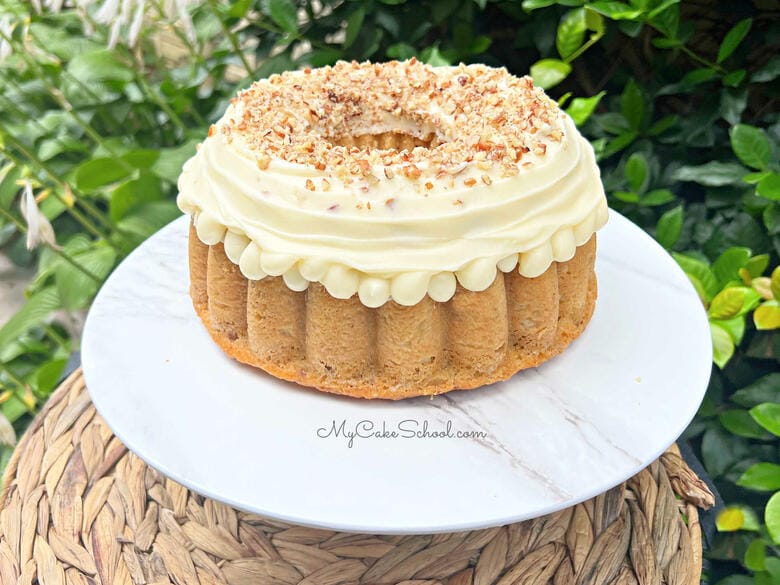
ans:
(34, 311)
(14, 408)
(688, 81)
(51, 147)
(768, 416)
(722, 345)
(324, 56)
(669, 227)
(571, 32)
(720, 450)
(277, 64)
(734, 78)
(755, 555)
(764, 477)
(762, 390)
(739, 422)
(75, 288)
(698, 76)
(626, 196)
(8, 187)
(62, 42)
(354, 22)
(727, 303)
(733, 38)
(776, 283)
(699, 272)
(612, 122)
(615, 10)
(661, 7)
(168, 165)
(772, 517)
(657, 197)
(548, 73)
(751, 146)
(135, 192)
(529, 5)
(580, 109)
(752, 299)
(99, 172)
(401, 51)
(757, 264)
(732, 105)
(48, 375)
(101, 65)
(711, 174)
(433, 57)
(239, 8)
(768, 72)
(636, 171)
(145, 219)
(751, 519)
(727, 265)
(480, 44)
(772, 565)
(141, 158)
(767, 316)
(771, 219)
(284, 13)
(666, 18)
(735, 327)
(594, 21)
(769, 187)
(632, 104)
(754, 178)
(619, 143)
(662, 125)
(664, 43)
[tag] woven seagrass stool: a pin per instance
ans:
(78, 508)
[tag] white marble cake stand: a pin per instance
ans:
(553, 436)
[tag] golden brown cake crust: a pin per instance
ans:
(393, 352)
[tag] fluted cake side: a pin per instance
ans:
(393, 351)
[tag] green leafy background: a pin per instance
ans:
(679, 99)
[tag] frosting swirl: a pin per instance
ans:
(383, 232)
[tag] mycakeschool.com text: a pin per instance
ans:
(352, 432)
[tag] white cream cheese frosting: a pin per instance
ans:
(405, 223)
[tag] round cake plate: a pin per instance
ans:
(544, 440)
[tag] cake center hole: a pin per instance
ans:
(387, 141)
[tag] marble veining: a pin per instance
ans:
(546, 439)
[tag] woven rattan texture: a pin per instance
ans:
(78, 508)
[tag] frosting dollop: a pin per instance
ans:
(494, 185)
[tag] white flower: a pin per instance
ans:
(113, 36)
(129, 14)
(53, 5)
(135, 26)
(39, 229)
(108, 12)
(184, 18)
(117, 15)
(6, 30)
(7, 433)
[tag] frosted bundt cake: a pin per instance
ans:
(393, 230)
